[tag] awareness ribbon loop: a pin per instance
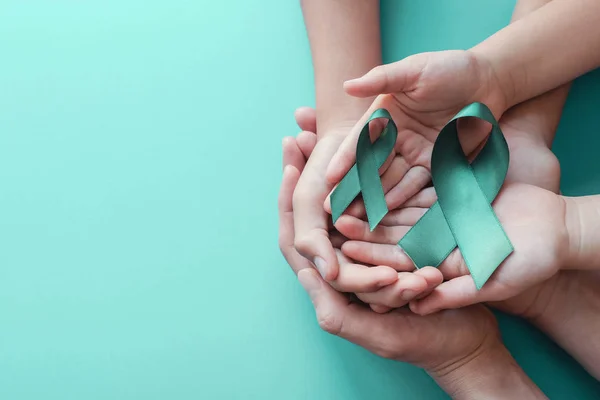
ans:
(364, 175)
(463, 215)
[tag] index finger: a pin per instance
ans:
(286, 221)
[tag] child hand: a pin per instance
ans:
(533, 219)
(422, 93)
(467, 340)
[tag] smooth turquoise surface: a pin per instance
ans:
(139, 169)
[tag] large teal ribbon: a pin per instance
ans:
(463, 215)
(364, 175)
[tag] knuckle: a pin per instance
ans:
(396, 300)
(381, 72)
(330, 322)
(386, 76)
(303, 243)
(389, 353)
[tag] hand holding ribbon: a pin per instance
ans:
(532, 217)
(462, 216)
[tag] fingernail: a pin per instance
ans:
(321, 266)
(408, 295)
(310, 283)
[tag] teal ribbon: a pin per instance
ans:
(463, 215)
(363, 177)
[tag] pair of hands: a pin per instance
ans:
(468, 335)
(422, 93)
(426, 91)
(413, 82)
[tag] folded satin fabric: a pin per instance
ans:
(363, 177)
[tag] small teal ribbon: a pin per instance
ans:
(463, 215)
(363, 177)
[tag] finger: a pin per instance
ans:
(360, 278)
(337, 240)
(433, 277)
(310, 220)
(454, 266)
(455, 293)
(354, 278)
(345, 157)
(291, 175)
(472, 134)
(400, 76)
(404, 216)
(292, 155)
(380, 309)
(286, 220)
(306, 118)
(406, 288)
(315, 245)
(378, 254)
(412, 183)
(307, 141)
(425, 198)
(392, 172)
(356, 229)
(376, 126)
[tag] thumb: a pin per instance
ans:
(400, 76)
(330, 305)
(385, 335)
(455, 293)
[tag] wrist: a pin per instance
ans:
(496, 90)
(573, 224)
(490, 374)
(342, 119)
(582, 218)
(576, 331)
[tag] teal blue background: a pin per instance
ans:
(139, 169)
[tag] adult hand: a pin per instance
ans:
(529, 129)
(534, 220)
(460, 349)
(474, 327)
(423, 92)
(307, 237)
(312, 238)
(352, 277)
